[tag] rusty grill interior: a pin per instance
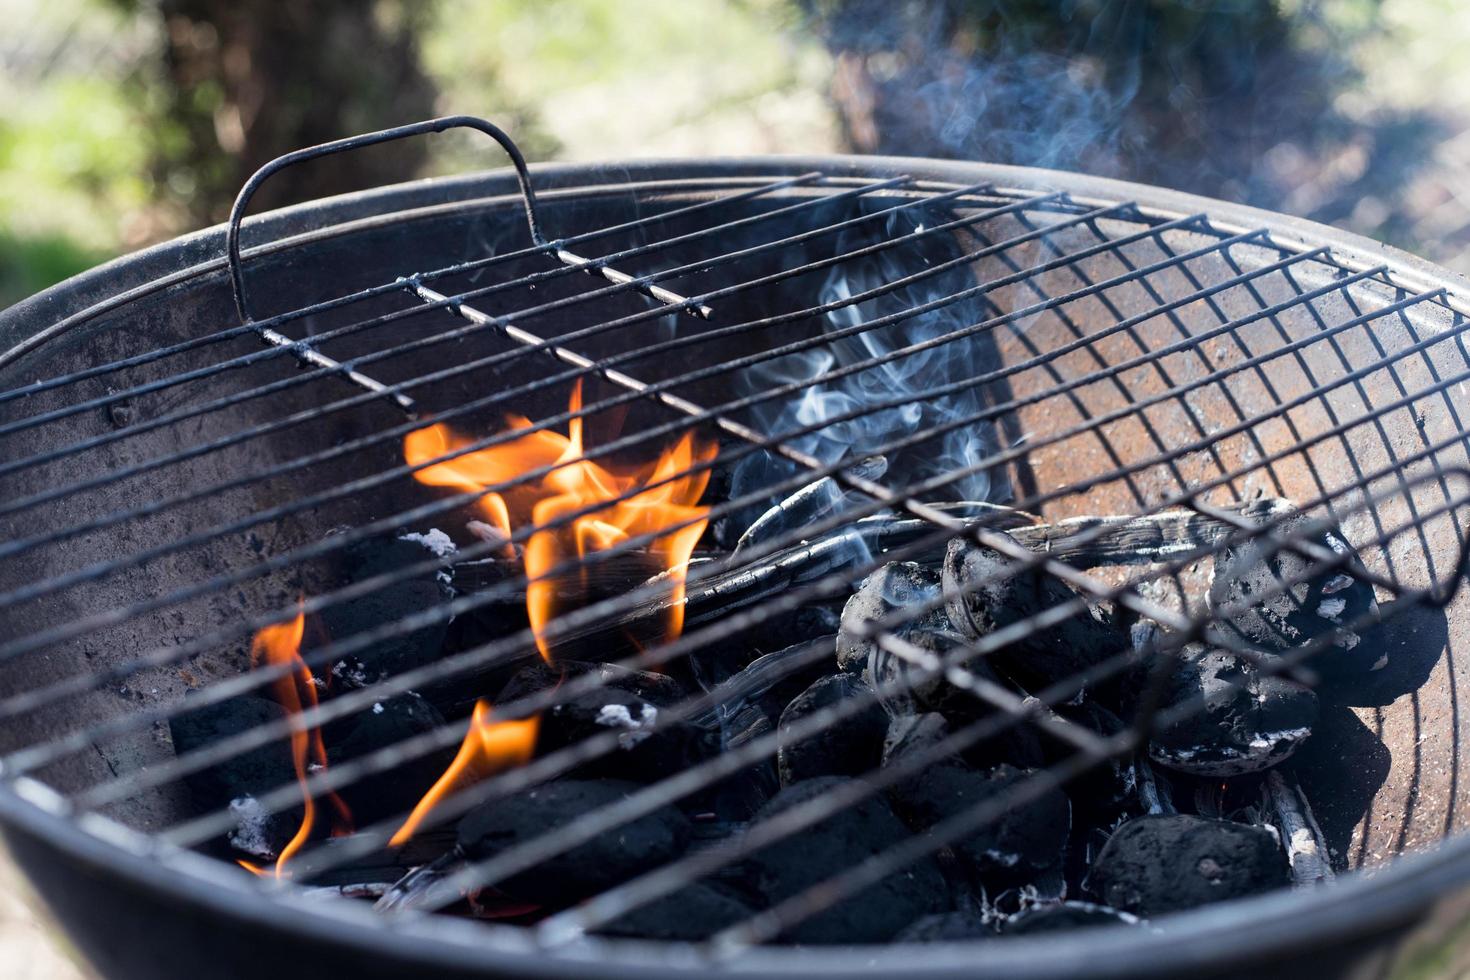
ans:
(1025, 361)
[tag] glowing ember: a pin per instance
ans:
(576, 484)
(489, 747)
(296, 692)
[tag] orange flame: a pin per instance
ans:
(489, 747)
(296, 692)
(575, 484)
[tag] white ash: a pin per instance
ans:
(377, 707)
(1380, 663)
(1337, 583)
(351, 671)
(439, 543)
(618, 716)
(1331, 608)
(251, 823)
(1232, 761)
(434, 539)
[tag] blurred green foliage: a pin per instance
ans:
(123, 122)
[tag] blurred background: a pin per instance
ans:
(123, 122)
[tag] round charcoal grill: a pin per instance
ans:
(1105, 391)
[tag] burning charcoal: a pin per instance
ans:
(387, 723)
(989, 595)
(690, 914)
(1320, 605)
(390, 554)
(900, 585)
(796, 862)
(1063, 916)
(849, 747)
(660, 690)
(582, 871)
(1153, 865)
(1250, 721)
(238, 780)
(381, 608)
(648, 750)
(1025, 840)
(946, 928)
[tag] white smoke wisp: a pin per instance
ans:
(911, 374)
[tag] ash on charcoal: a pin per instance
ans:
(660, 690)
(648, 750)
(1063, 916)
(946, 928)
(381, 608)
(1026, 840)
(387, 794)
(582, 871)
(849, 747)
(790, 865)
(238, 780)
(988, 595)
(1250, 721)
(1322, 604)
(897, 586)
(438, 544)
(1153, 865)
(690, 914)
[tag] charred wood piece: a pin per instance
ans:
(1306, 847)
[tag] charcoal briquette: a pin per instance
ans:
(905, 683)
(660, 690)
(606, 860)
(387, 723)
(381, 608)
(1157, 864)
(988, 594)
(693, 913)
(648, 750)
(1026, 839)
(796, 862)
(1250, 720)
(849, 747)
(237, 781)
(1320, 606)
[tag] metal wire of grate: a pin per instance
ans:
(1140, 371)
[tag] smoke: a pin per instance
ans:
(825, 397)
(1211, 96)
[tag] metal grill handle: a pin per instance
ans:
(237, 211)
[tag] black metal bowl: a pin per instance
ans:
(138, 909)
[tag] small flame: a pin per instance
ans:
(489, 747)
(296, 692)
(576, 484)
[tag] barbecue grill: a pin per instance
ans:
(1104, 388)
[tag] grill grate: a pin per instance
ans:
(1122, 327)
